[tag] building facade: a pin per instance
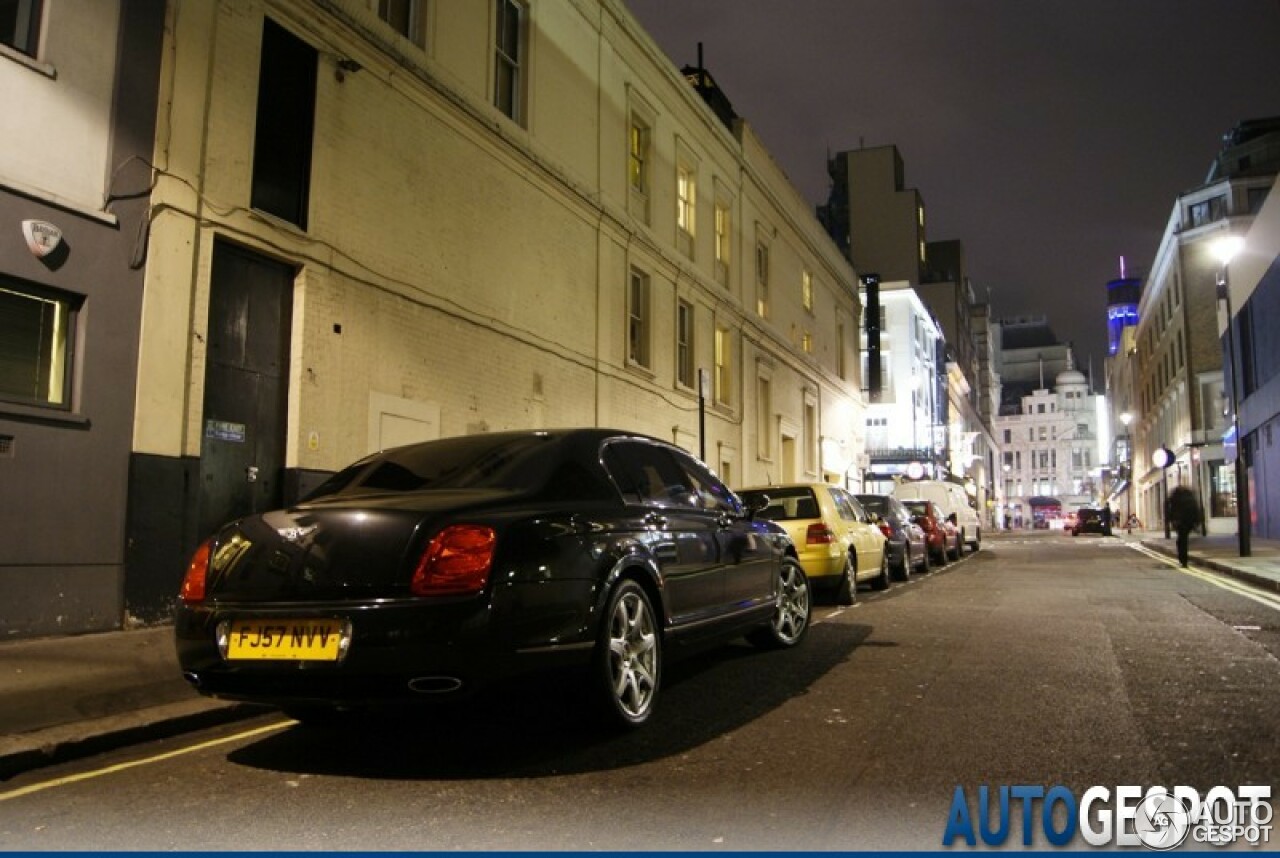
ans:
(80, 81)
(1182, 400)
(370, 228)
(1053, 449)
(905, 430)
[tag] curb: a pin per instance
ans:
(53, 745)
(1262, 582)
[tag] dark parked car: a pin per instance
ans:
(424, 572)
(906, 544)
(1091, 521)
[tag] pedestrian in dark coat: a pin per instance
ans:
(1182, 511)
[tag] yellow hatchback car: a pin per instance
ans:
(836, 541)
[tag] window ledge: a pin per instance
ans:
(36, 414)
(23, 60)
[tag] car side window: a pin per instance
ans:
(844, 505)
(709, 491)
(859, 511)
(649, 474)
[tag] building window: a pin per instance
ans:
(286, 113)
(508, 58)
(20, 25)
(762, 280)
(37, 333)
(405, 17)
(638, 319)
(684, 343)
(806, 290)
(724, 363)
(810, 434)
(1207, 211)
(806, 342)
(686, 207)
(764, 418)
(638, 157)
(723, 226)
(841, 369)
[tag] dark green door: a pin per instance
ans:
(246, 386)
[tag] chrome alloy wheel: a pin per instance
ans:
(633, 654)
(792, 618)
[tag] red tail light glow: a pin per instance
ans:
(886, 530)
(457, 561)
(193, 583)
(819, 534)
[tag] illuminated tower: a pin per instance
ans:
(1122, 307)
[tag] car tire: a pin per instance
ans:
(846, 592)
(902, 571)
(790, 621)
(881, 581)
(628, 658)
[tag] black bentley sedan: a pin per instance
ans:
(427, 571)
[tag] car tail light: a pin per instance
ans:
(819, 534)
(886, 530)
(193, 583)
(457, 561)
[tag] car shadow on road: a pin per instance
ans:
(547, 727)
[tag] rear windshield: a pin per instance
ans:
(473, 462)
(918, 507)
(875, 503)
(785, 504)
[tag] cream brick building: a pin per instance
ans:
(491, 215)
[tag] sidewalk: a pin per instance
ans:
(72, 696)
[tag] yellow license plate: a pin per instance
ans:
(287, 639)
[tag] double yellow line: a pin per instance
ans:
(1218, 579)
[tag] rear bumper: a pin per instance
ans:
(399, 652)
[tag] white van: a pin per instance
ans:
(950, 498)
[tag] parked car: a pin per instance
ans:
(942, 535)
(904, 539)
(1090, 521)
(425, 572)
(952, 500)
(837, 544)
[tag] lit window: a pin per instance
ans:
(764, 418)
(684, 343)
(37, 330)
(723, 226)
(686, 192)
(806, 290)
(638, 319)
(20, 25)
(508, 58)
(403, 16)
(806, 342)
(724, 373)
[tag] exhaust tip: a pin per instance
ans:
(435, 684)
(191, 677)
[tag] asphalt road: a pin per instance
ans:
(1040, 660)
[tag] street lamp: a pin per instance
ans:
(1225, 249)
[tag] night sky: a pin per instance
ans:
(1051, 138)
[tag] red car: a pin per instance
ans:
(941, 535)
